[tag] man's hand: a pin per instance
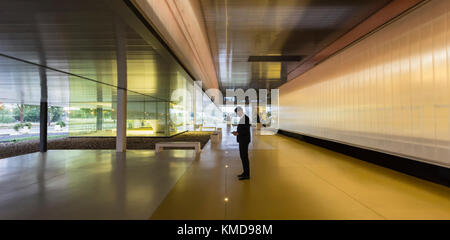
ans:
(235, 133)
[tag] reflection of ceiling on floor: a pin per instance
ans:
(78, 37)
(238, 29)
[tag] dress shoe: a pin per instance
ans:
(240, 175)
(244, 177)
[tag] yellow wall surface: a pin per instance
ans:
(388, 92)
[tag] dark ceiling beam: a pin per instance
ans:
(378, 19)
(275, 58)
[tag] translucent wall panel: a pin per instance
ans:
(181, 105)
(211, 115)
(146, 116)
(91, 111)
(198, 100)
(389, 92)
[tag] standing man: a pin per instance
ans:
(243, 138)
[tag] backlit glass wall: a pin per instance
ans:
(389, 92)
(92, 110)
(181, 116)
(212, 116)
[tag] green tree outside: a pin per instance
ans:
(55, 114)
(30, 113)
(6, 116)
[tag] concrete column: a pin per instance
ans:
(43, 113)
(167, 119)
(43, 127)
(99, 125)
(43, 117)
(121, 138)
(194, 105)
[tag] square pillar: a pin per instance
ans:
(43, 114)
(121, 138)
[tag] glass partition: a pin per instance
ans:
(92, 109)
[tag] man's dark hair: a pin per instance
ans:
(238, 109)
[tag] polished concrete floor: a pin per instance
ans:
(88, 184)
(290, 180)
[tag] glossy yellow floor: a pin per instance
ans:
(295, 180)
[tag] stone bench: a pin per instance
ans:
(215, 137)
(219, 130)
(159, 146)
(212, 128)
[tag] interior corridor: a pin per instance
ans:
(115, 78)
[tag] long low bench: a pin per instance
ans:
(196, 145)
(211, 128)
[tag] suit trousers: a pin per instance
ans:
(243, 151)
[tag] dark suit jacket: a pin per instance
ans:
(243, 130)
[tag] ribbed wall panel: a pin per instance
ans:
(388, 92)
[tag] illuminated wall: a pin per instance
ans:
(389, 92)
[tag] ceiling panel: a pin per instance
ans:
(238, 29)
